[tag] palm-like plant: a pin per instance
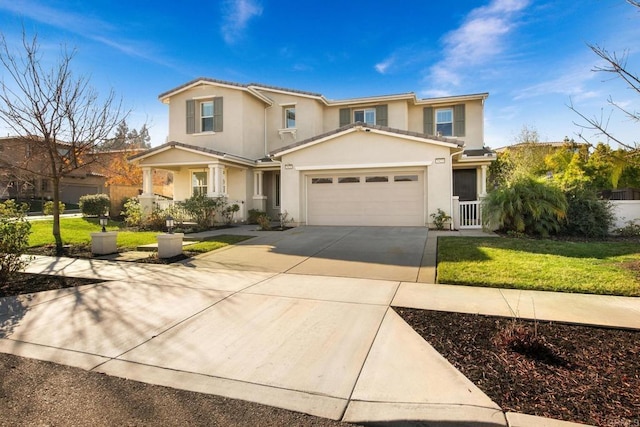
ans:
(527, 206)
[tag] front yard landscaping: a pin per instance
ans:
(597, 267)
(568, 372)
(76, 232)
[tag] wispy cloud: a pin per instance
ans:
(88, 27)
(574, 81)
(236, 16)
(479, 40)
(383, 67)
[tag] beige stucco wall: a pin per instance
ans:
(372, 151)
(397, 112)
(309, 115)
(474, 130)
(243, 121)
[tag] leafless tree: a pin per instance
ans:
(59, 114)
(616, 65)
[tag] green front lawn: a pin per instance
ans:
(77, 231)
(611, 268)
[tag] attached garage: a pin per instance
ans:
(366, 175)
(373, 198)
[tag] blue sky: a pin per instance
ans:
(531, 56)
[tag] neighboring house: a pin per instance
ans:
(16, 182)
(380, 160)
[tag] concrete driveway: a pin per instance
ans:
(386, 253)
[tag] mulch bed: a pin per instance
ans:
(27, 283)
(573, 373)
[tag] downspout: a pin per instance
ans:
(451, 186)
(266, 149)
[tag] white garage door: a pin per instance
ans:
(371, 198)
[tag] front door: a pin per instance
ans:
(465, 184)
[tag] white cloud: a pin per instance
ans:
(236, 16)
(573, 81)
(383, 66)
(478, 41)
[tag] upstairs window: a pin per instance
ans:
(289, 117)
(206, 116)
(444, 122)
(367, 116)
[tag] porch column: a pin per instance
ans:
(211, 190)
(483, 181)
(258, 183)
(147, 182)
(147, 198)
(219, 180)
(259, 199)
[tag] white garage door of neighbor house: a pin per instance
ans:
(371, 198)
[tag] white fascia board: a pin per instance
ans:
(285, 92)
(366, 166)
(371, 99)
(415, 138)
(312, 143)
(167, 98)
(451, 99)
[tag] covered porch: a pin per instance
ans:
(469, 178)
(201, 171)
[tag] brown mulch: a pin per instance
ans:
(573, 373)
(27, 283)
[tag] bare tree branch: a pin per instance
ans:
(61, 116)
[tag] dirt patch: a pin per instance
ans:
(567, 372)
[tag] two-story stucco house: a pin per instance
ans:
(379, 160)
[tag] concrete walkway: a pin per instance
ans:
(324, 345)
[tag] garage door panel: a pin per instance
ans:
(395, 202)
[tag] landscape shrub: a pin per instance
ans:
(132, 212)
(254, 214)
(440, 218)
(94, 204)
(14, 238)
(587, 215)
(228, 212)
(264, 222)
(203, 209)
(527, 206)
(47, 209)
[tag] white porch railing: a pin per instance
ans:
(470, 214)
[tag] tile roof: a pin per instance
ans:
(172, 144)
(367, 126)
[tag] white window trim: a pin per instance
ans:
(364, 110)
(276, 177)
(191, 172)
(435, 122)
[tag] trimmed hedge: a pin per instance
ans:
(94, 204)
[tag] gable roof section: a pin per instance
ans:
(256, 88)
(359, 126)
(194, 149)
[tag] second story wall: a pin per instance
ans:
(467, 120)
(220, 118)
(393, 114)
(292, 118)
